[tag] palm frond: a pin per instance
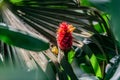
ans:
(42, 18)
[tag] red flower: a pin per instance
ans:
(64, 36)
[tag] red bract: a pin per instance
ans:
(64, 36)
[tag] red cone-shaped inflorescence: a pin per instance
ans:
(64, 36)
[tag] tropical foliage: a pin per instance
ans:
(34, 47)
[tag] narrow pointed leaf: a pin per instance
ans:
(96, 66)
(71, 54)
(94, 62)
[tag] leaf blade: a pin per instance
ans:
(22, 39)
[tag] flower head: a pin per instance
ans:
(64, 36)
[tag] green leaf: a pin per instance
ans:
(93, 60)
(95, 66)
(62, 75)
(67, 67)
(98, 28)
(100, 57)
(21, 39)
(85, 68)
(85, 3)
(71, 54)
(16, 1)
